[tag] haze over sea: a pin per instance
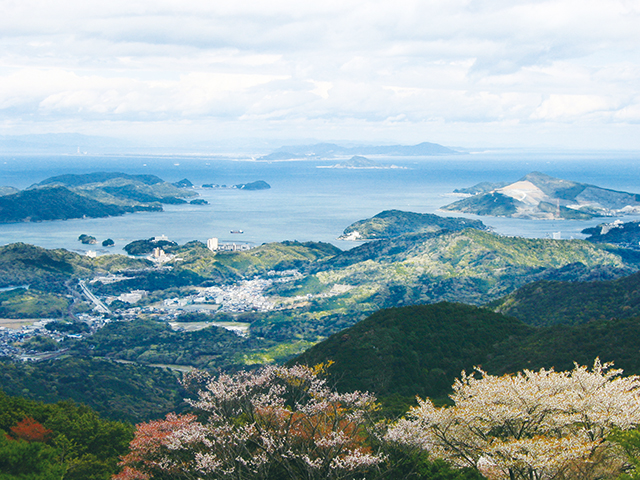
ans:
(305, 203)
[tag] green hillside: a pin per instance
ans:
(150, 342)
(48, 270)
(420, 350)
(470, 266)
(416, 350)
(52, 203)
(62, 440)
(120, 391)
(197, 265)
(393, 223)
(92, 195)
(552, 302)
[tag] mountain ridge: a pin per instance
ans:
(540, 196)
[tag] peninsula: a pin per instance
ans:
(92, 195)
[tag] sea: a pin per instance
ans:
(305, 202)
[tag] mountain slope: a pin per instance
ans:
(48, 270)
(52, 203)
(570, 303)
(415, 350)
(540, 196)
(471, 266)
(393, 223)
(92, 195)
(420, 350)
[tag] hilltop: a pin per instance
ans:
(540, 196)
(49, 270)
(547, 303)
(393, 223)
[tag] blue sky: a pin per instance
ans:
(562, 73)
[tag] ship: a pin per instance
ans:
(237, 231)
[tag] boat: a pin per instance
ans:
(237, 231)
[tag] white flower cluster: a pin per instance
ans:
(276, 422)
(530, 425)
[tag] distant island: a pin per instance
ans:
(542, 197)
(92, 195)
(330, 150)
(358, 162)
(393, 223)
(257, 185)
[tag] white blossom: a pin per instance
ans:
(529, 425)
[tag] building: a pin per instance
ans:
(212, 244)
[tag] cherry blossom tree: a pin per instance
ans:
(277, 422)
(533, 425)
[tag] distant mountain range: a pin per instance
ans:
(329, 150)
(540, 196)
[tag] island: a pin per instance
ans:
(358, 162)
(257, 185)
(330, 150)
(87, 239)
(393, 223)
(541, 197)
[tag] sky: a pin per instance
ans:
(469, 73)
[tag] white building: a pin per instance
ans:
(212, 244)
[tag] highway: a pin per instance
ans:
(101, 307)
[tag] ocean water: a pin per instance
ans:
(305, 202)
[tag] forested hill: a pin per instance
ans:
(48, 270)
(420, 350)
(546, 303)
(91, 195)
(76, 180)
(58, 441)
(53, 203)
(393, 223)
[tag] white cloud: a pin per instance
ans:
(333, 64)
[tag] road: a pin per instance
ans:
(101, 307)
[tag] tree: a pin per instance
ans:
(31, 431)
(275, 423)
(532, 425)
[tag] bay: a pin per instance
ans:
(305, 203)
